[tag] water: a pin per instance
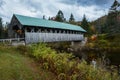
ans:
(113, 54)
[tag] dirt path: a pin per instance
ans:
(36, 69)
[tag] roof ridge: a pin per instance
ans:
(26, 16)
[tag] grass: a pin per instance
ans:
(40, 62)
(14, 66)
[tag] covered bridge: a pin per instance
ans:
(40, 30)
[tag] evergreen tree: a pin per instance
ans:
(6, 30)
(85, 24)
(112, 25)
(49, 18)
(114, 6)
(43, 16)
(60, 16)
(1, 28)
(71, 19)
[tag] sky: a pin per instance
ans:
(93, 9)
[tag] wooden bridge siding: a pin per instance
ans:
(51, 37)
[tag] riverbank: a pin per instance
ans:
(55, 65)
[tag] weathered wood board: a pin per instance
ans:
(51, 37)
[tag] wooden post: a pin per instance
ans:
(32, 30)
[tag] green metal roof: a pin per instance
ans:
(31, 21)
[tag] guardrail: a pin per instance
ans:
(11, 39)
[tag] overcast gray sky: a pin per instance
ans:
(93, 9)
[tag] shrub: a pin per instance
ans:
(67, 68)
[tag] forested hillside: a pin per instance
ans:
(110, 23)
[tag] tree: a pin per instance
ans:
(71, 19)
(43, 16)
(1, 28)
(5, 33)
(49, 18)
(60, 16)
(85, 24)
(114, 6)
(112, 25)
